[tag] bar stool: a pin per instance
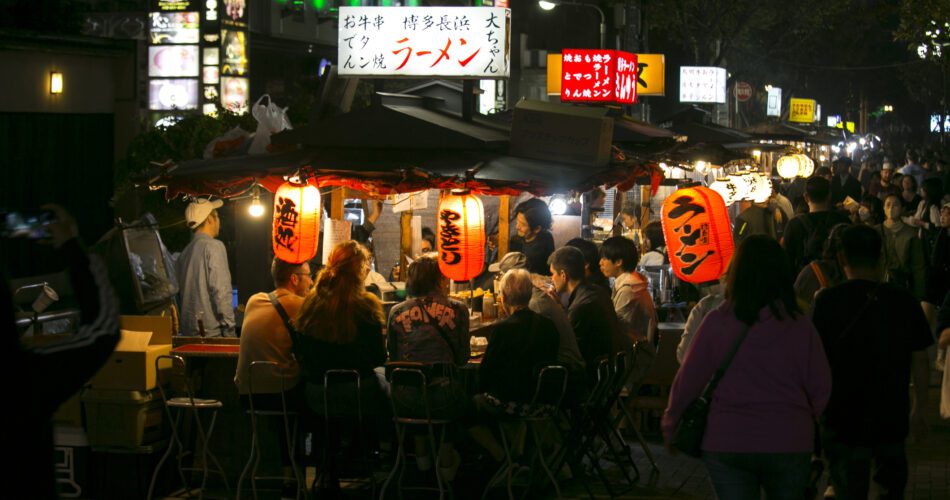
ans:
(545, 409)
(410, 375)
(182, 405)
(335, 407)
(290, 420)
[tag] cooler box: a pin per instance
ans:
(123, 419)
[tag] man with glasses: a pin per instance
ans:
(265, 336)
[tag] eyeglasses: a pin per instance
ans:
(311, 275)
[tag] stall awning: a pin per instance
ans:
(391, 171)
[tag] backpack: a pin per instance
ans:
(816, 236)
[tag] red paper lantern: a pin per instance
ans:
(461, 236)
(698, 235)
(296, 222)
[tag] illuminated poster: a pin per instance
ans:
(173, 93)
(598, 76)
(447, 42)
(234, 13)
(233, 52)
(174, 5)
(173, 27)
(173, 60)
(702, 84)
(234, 94)
(209, 74)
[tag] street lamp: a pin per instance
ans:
(551, 4)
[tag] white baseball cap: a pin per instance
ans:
(199, 210)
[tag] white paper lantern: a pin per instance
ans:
(789, 166)
(763, 188)
(808, 166)
(745, 183)
(726, 188)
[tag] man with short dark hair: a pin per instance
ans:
(843, 184)
(631, 298)
(203, 275)
(590, 310)
(875, 336)
(805, 235)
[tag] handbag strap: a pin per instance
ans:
(284, 316)
(721, 371)
(822, 279)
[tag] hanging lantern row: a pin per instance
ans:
(461, 236)
(750, 186)
(698, 234)
(296, 228)
(797, 165)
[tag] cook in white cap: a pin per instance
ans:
(203, 275)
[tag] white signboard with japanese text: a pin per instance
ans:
(774, 105)
(702, 84)
(444, 42)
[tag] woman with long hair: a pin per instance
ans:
(340, 326)
(760, 431)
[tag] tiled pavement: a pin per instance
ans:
(683, 477)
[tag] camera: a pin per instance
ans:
(27, 224)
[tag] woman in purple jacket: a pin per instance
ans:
(760, 431)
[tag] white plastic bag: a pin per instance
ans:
(271, 119)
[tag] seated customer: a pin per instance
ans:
(592, 271)
(340, 326)
(431, 328)
(520, 346)
(631, 298)
(265, 337)
(590, 310)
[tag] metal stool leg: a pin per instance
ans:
(171, 446)
(539, 453)
(251, 461)
(400, 465)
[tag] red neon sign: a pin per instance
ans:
(598, 76)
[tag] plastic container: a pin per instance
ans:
(123, 419)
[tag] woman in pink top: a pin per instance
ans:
(760, 431)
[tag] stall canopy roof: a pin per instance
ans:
(778, 131)
(388, 171)
(400, 144)
(400, 121)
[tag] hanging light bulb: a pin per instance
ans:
(256, 209)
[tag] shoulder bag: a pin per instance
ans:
(688, 436)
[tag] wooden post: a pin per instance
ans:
(405, 243)
(619, 199)
(503, 225)
(336, 203)
(645, 198)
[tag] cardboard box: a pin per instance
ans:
(562, 133)
(132, 366)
